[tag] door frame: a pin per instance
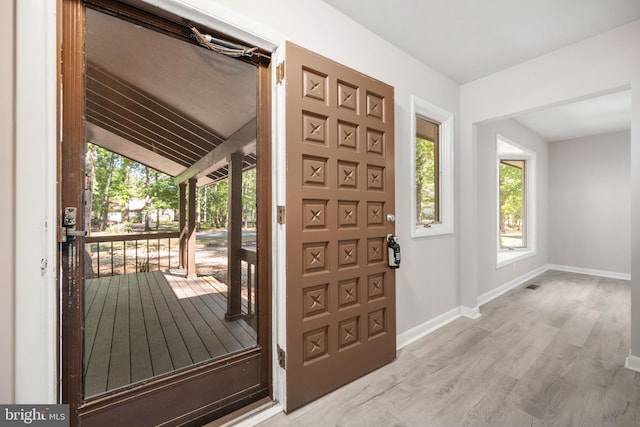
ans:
(37, 354)
(35, 376)
(156, 391)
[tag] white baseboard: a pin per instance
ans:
(424, 329)
(470, 312)
(512, 284)
(632, 363)
(590, 272)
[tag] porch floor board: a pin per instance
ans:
(139, 326)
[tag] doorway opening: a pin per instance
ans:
(166, 264)
(143, 316)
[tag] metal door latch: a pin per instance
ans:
(68, 230)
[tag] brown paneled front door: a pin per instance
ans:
(340, 189)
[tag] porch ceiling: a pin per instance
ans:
(160, 101)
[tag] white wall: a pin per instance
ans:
(564, 75)
(7, 82)
(489, 276)
(590, 203)
(427, 283)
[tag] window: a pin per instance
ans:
(427, 182)
(432, 171)
(513, 218)
(516, 201)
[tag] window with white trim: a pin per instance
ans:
(516, 202)
(432, 169)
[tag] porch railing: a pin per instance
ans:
(249, 259)
(131, 253)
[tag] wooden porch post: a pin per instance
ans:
(191, 231)
(234, 266)
(182, 203)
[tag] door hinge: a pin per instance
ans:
(280, 72)
(282, 358)
(281, 214)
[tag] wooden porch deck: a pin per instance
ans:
(139, 326)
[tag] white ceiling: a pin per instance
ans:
(603, 114)
(469, 39)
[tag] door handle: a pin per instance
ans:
(394, 251)
(68, 230)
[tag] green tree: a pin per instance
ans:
(163, 194)
(115, 180)
(108, 171)
(426, 209)
(511, 193)
(213, 202)
(249, 196)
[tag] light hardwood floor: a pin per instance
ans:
(553, 356)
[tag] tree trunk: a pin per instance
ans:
(104, 214)
(88, 189)
(205, 202)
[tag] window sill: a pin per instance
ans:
(433, 230)
(508, 257)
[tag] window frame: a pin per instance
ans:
(445, 180)
(506, 149)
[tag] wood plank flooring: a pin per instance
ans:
(553, 356)
(139, 326)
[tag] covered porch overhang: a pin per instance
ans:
(191, 115)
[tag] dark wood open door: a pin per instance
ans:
(200, 389)
(340, 189)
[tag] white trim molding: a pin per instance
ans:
(590, 272)
(424, 329)
(36, 315)
(511, 284)
(224, 20)
(422, 108)
(279, 238)
(632, 363)
(470, 312)
(507, 257)
(507, 149)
